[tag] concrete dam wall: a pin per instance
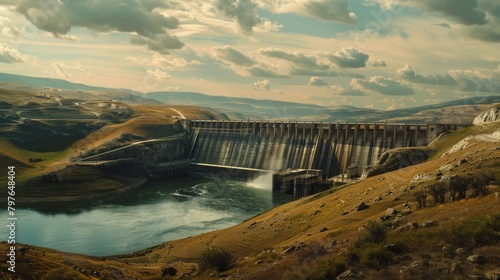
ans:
(331, 147)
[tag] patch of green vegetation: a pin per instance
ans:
(329, 269)
(478, 232)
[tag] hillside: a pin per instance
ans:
(321, 236)
(42, 132)
(248, 108)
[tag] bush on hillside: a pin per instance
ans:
(375, 233)
(477, 232)
(215, 258)
(438, 191)
(421, 198)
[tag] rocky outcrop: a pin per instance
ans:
(491, 115)
(396, 159)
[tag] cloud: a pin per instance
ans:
(338, 90)
(67, 37)
(408, 74)
(325, 73)
(164, 62)
(59, 70)
(317, 81)
(139, 17)
(466, 12)
(10, 55)
(233, 56)
(262, 72)
(349, 58)
(299, 59)
(158, 74)
(160, 43)
(243, 12)
(384, 86)
(477, 80)
(487, 33)
(445, 25)
(325, 10)
(7, 28)
(263, 85)
(378, 63)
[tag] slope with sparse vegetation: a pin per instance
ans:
(402, 230)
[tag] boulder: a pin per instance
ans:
(491, 115)
(344, 274)
(476, 259)
(391, 212)
(169, 271)
(362, 206)
(396, 159)
(429, 223)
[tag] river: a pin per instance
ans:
(146, 216)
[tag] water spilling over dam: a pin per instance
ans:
(330, 147)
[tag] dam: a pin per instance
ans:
(249, 149)
(333, 148)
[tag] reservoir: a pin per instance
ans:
(146, 216)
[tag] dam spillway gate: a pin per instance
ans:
(332, 148)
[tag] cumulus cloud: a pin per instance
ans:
(139, 17)
(160, 43)
(487, 33)
(233, 56)
(466, 12)
(281, 65)
(59, 69)
(317, 81)
(297, 58)
(382, 85)
(479, 19)
(263, 72)
(262, 85)
(378, 63)
(325, 10)
(164, 62)
(349, 58)
(338, 90)
(478, 80)
(62, 70)
(158, 74)
(10, 55)
(408, 74)
(243, 12)
(8, 29)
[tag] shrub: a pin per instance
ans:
(479, 184)
(352, 258)
(376, 256)
(421, 198)
(215, 258)
(477, 232)
(375, 233)
(328, 270)
(458, 187)
(438, 192)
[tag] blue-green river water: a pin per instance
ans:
(145, 216)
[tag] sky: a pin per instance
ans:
(380, 54)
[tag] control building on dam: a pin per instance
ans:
(332, 148)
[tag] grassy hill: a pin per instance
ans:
(321, 236)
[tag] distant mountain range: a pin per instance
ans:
(248, 108)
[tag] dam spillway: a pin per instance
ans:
(330, 147)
